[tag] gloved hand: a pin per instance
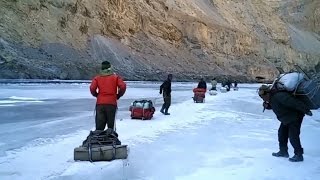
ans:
(309, 113)
(118, 96)
(160, 92)
(95, 94)
(266, 105)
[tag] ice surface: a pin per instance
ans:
(227, 137)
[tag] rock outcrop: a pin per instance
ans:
(146, 39)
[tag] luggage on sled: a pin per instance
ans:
(142, 109)
(213, 92)
(101, 146)
(223, 89)
(199, 95)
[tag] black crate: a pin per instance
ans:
(309, 92)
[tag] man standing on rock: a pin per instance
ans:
(290, 112)
(110, 88)
(165, 88)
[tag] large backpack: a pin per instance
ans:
(308, 91)
(289, 81)
(301, 86)
(142, 109)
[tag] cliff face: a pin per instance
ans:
(145, 39)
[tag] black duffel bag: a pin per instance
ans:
(101, 138)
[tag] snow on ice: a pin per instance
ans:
(227, 137)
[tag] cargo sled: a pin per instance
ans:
(101, 146)
(223, 89)
(213, 92)
(199, 95)
(142, 109)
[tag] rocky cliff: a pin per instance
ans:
(146, 39)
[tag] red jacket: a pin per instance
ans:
(110, 88)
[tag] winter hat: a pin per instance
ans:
(264, 89)
(105, 65)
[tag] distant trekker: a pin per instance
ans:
(214, 84)
(165, 89)
(202, 84)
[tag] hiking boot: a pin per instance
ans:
(296, 158)
(284, 154)
(166, 113)
(162, 111)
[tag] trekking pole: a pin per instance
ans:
(302, 71)
(155, 99)
(115, 120)
(94, 114)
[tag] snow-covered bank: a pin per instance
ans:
(50, 157)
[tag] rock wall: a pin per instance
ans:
(146, 39)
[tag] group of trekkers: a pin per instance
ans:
(289, 110)
(226, 84)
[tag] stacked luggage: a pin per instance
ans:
(301, 86)
(223, 90)
(142, 109)
(199, 95)
(101, 146)
(309, 92)
(213, 92)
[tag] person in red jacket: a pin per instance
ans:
(107, 87)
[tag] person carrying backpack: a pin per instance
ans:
(290, 112)
(107, 87)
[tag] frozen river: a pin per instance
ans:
(227, 137)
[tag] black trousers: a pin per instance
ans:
(105, 115)
(167, 103)
(290, 131)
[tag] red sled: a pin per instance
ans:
(199, 95)
(143, 110)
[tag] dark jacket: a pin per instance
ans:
(286, 107)
(202, 84)
(166, 88)
(228, 83)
